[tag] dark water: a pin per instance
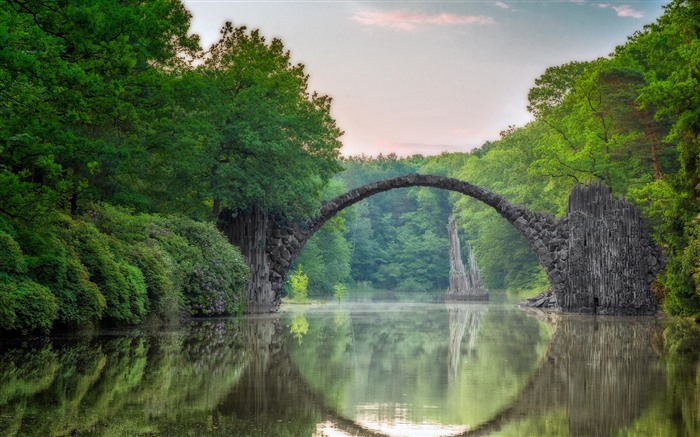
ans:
(363, 369)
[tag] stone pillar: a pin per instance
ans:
(458, 281)
(464, 285)
(249, 231)
(611, 258)
(284, 243)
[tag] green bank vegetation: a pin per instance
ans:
(121, 140)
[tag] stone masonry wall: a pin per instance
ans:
(611, 258)
(598, 259)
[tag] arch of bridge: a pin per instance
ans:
(545, 234)
(599, 258)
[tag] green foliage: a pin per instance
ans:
(244, 132)
(159, 274)
(124, 297)
(53, 262)
(75, 79)
(11, 259)
(299, 284)
(25, 305)
(80, 301)
(397, 239)
(338, 291)
(102, 104)
(216, 278)
(118, 267)
(183, 262)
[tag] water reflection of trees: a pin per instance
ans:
(602, 377)
(464, 319)
(455, 366)
(122, 384)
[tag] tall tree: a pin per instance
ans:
(74, 77)
(276, 144)
(670, 50)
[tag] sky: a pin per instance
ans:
(428, 77)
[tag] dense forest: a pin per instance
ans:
(122, 141)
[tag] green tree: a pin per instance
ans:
(339, 291)
(74, 78)
(299, 284)
(669, 49)
(276, 144)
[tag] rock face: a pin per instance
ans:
(546, 300)
(598, 259)
(611, 258)
(464, 285)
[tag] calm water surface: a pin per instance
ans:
(361, 369)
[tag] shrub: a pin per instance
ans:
(113, 265)
(123, 295)
(137, 288)
(217, 273)
(53, 263)
(25, 305)
(159, 275)
(80, 300)
(299, 284)
(11, 259)
(339, 291)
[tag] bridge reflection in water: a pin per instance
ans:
(597, 376)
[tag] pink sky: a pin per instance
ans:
(427, 77)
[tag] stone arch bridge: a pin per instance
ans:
(599, 258)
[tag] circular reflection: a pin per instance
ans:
(416, 369)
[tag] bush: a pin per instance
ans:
(25, 305)
(299, 284)
(339, 291)
(159, 273)
(113, 265)
(53, 263)
(11, 259)
(80, 301)
(681, 278)
(114, 277)
(217, 274)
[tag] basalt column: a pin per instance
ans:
(611, 258)
(249, 231)
(464, 285)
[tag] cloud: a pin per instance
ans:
(409, 21)
(627, 11)
(502, 5)
(623, 10)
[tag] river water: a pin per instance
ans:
(361, 369)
